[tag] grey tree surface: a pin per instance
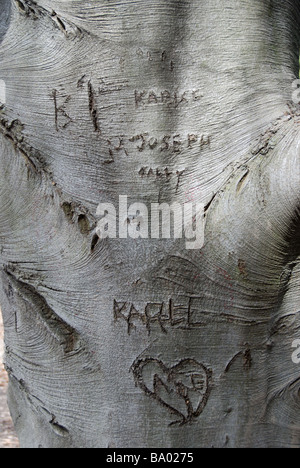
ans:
(143, 343)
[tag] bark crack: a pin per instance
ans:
(247, 360)
(266, 140)
(263, 146)
(13, 131)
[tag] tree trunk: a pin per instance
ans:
(135, 342)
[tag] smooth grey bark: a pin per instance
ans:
(142, 343)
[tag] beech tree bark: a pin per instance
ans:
(141, 342)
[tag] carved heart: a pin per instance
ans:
(183, 389)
